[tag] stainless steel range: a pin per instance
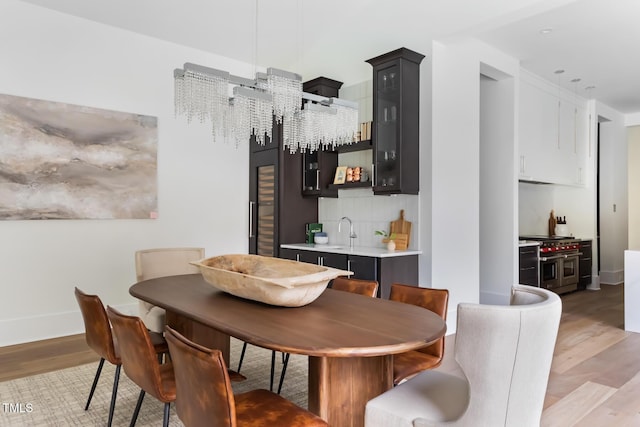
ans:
(559, 263)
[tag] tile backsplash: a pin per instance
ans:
(368, 214)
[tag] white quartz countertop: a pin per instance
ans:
(377, 252)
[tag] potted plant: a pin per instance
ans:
(388, 238)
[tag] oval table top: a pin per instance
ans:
(337, 324)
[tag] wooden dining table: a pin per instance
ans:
(350, 339)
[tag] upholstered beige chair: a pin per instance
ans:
(152, 263)
(505, 353)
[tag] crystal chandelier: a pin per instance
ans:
(310, 122)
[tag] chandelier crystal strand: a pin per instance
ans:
(178, 93)
(256, 115)
(262, 115)
(204, 94)
(240, 129)
(312, 130)
(286, 89)
(291, 132)
(346, 125)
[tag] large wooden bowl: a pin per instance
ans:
(270, 280)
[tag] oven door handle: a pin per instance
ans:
(561, 256)
(551, 258)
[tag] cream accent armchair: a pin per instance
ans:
(152, 263)
(505, 353)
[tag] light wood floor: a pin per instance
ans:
(594, 381)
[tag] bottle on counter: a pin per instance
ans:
(553, 220)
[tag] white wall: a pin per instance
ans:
(613, 191)
(426, 179)
(202, 186)
(633, 163)
(455, 167)
(498, 258)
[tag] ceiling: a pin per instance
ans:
(592, 40)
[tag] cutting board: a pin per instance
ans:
(400, 240)
(401, 226)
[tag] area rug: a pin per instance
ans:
(58, 398)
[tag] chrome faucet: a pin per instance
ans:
(352, 235)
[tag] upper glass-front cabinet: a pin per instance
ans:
(396, 103)
(387, 170)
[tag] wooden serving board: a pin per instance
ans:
(401, 226)
(402, 241)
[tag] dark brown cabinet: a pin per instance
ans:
(386, 270)
(327, 259)
(528, 265)
(396, 104)
(585, 264)
(278, 211)
(318, 172)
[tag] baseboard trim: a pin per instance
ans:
(612, 277)
(47, 326)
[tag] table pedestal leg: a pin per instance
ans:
(201, 334)
(340, 387)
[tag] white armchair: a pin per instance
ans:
(152, 263)
(505, 353)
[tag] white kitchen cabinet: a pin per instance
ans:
(583, 145)
(538, 134)
(553, 134)
(573, 142)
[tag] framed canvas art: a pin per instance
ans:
(65, 161)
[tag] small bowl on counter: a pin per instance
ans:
(320, 238)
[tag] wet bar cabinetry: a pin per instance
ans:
(277, 210)
(366, 263)
(396, 107)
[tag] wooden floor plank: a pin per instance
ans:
(576, 405)
(587, 349)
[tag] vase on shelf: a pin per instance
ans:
(391, 245)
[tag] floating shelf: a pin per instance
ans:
(347, 185)
(356, 146)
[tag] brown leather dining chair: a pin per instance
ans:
(357, 286)
(205, 397)
(412, 362)
(367, 288)
(100, 339)
(140, 364)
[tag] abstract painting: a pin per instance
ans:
(64, 161)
